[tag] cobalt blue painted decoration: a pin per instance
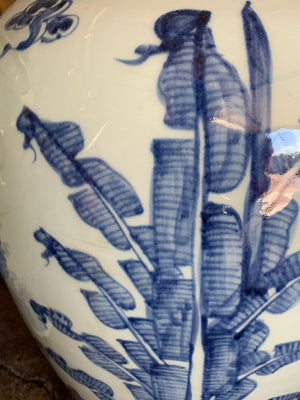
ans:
(99, 388)
(260, 71)
(221, 240)
(173, 204)
(240, 260)
(291, 396)
(46, 22)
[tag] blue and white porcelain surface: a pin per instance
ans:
(149, 179)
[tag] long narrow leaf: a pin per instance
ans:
(260, 69)
(104, 310)
(93, 211)
(253, 337)
(288, 270)
(222, 259)
(144, 236)
(276, 236)
(84, 267)
(139, 276)
(291, 396)
(102, 361)
(247, 310)
(112, 186)
(103, 347)
(238, 391)
(225, 121)
(139, 393)
(172, 307)
(286, 279)
(146, 329)
(221, 352)
(252, 306)
(143, 377)
(59, 320)
(169, 382)
(108, 199)
(260, 72)
(285, 354)
(252, 360)
(58, 142)
(271, 244)
(175, 84)
(173, 206)
(101, 389)
(138, 355)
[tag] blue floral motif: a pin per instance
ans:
(242, 260)
(46, 22)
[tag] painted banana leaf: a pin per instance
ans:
(99, 388)
(98, 351)
(106, 363)
(107, 199)
(242, 264)
(253, 337)
(173, 203)
(220, 362)
(285, 354)
(237, 392)
(291, 396)
(139, 393)
(140, 277)
(83, 267)
(251, 361)
(260, 72)
(222, 259)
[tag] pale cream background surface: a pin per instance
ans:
(78, 79)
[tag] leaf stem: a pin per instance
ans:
(131, 328)
(122, 224)
(200, 194)
(124, 318)
(261, 309)
(124, 227)
(125, 370)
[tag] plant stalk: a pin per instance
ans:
(200, 194)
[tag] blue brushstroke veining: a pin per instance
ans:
(243, 265)
(99, 388)
(291, 396)
(46, 22)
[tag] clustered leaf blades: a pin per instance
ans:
(240, 261)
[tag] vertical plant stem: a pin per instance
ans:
(197, 358)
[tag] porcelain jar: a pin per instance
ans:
(149, 170)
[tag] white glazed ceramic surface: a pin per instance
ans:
(79, 77)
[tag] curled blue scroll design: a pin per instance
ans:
(46, 21)
(242, 259)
